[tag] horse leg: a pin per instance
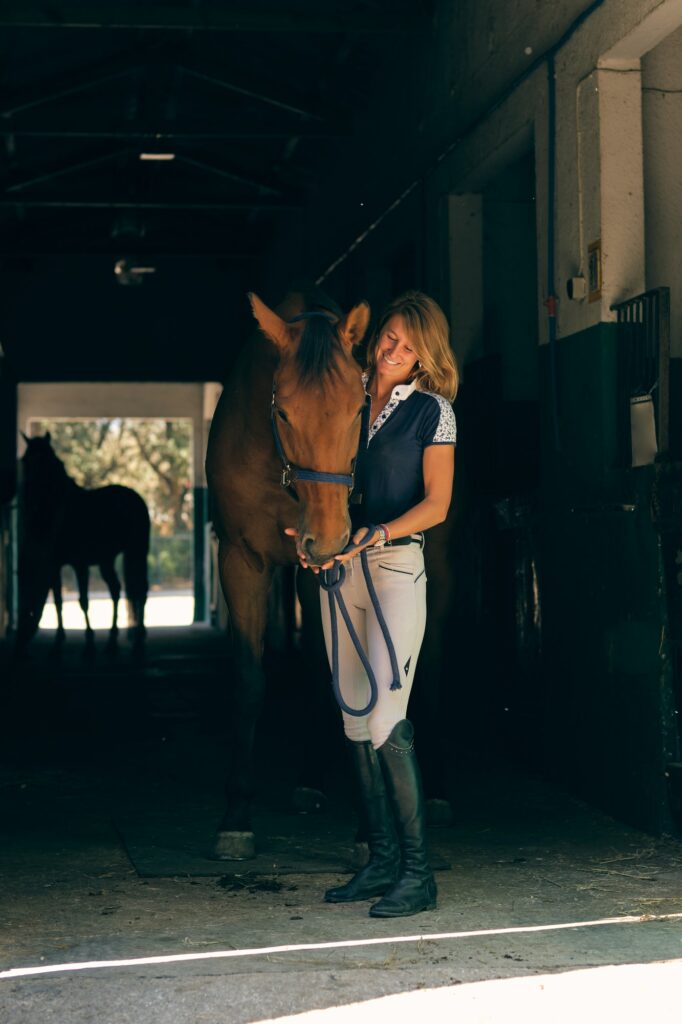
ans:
(135, 576)
(245, 586)
(112, 581)
(320, 731)
(57, 593)
(35, 575)
(82, 576)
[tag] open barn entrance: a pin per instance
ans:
(154, 458)
(151, 438)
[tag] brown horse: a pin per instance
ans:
(299, 372)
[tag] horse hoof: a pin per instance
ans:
(439, 813)
(305, 800)
(235, 846)
(360, 856)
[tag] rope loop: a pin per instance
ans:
(331, 581)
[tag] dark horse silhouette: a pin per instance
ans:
(64, 524)
(303, 372)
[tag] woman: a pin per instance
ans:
(403, 482)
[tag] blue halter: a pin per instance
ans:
(290, 472)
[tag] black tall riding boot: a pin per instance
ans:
(382, 870)
(415, 889)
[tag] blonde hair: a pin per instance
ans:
(429, 333)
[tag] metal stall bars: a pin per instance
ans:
(644, 376)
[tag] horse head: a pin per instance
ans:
(318, 400)
(41, 466)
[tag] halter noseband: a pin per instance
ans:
(290, 472)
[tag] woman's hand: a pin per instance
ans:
(356, 538)
(291, 532)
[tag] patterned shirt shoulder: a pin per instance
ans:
(442, 425)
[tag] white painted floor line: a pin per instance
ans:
(302, 947)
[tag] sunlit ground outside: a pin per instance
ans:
(627, 994)
(173, 609)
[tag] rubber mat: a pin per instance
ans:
(170, 842)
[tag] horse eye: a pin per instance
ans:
(282, 415)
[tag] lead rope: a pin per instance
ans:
(331, 581)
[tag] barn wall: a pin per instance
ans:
(610, 715)
(8, 486)
(662, 131)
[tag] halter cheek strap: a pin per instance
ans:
(291, 472)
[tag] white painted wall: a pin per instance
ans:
(599, 190)
(662, 129)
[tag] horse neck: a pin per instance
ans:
(54, 486)
(253, 377)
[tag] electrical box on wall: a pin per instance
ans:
(594, 271)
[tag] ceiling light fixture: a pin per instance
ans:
(128, 272)
(157, 156)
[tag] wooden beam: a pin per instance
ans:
(230, 174)
(215, 17)
(69, 168)
(91, 77)
(136, 135)
(257, 94)
(192, 250)
(131, 204)
(83, 78)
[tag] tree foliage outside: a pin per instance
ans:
(154, 458)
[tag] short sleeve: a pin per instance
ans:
(439, 426)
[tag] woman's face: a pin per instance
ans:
(395, 356)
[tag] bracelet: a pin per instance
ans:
(386, 532)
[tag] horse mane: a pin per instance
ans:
(320, 341)
(317, 350)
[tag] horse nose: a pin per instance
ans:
(308, 546)
(317, 555)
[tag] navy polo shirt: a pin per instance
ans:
(389, 477)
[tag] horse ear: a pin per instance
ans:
(48, 437)
(353, 326)
(25, 436)
(272, 326)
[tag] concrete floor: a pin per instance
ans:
(529, 863)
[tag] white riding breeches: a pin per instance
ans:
(400, 583)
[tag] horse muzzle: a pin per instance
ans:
(318, 550)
